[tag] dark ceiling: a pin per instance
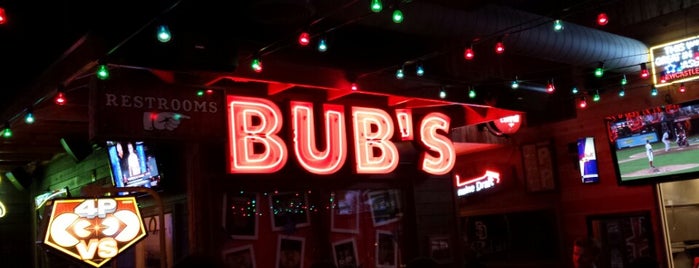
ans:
(45, 44)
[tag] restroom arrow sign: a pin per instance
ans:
(94, 230)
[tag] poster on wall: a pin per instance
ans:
(345, 253)
(148, 251)
(440, 249)
(344, 217)
(290, 252)
(386, 249)
(517, 235)
(240, 257)
(623, 237)
(240, 215)
(385, 206)
(289, 211)
(538, 162)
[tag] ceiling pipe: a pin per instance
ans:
(524, 33)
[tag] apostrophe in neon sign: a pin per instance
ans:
(489, 180)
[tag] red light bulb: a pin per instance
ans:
(499, 48)
(3, 16)
(468, 53)
(354, 87)
(550, 88)
(644, 73)
(60, 99)
(683, 89)
(582, 104)
(304, 39)
(602, 19)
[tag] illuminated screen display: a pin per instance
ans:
(587, 160)
(655, 144)
(133, 164)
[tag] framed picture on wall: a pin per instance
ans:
(240, 214)
(345, 253)
(538, 162)
(385, 206)
(440, 248)
(148, 250)
(289, 211)
(344, 217)
(290, 252)
(240, 257)
(623, 237)
(386, 249)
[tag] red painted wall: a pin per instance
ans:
(572, 200)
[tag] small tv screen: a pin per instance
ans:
(587, 160)
(133, 164)
(656, 144)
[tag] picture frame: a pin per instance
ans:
(290, 252)
(344, 216)
(440, 248)
(239, 257)
(386, 249)
(385, 206)
(289, 211)
(623, 237)
(538, 164)
(148, 250)
(239, 215)
(345, 253)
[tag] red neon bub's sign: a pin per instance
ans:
(256, 122)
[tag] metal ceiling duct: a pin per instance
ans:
(523, 33)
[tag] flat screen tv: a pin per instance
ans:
(133, 164)
(587, 160)
(656, 144)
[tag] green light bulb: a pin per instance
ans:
(102, 72)
(472, 94)
(599, 72)
(376, 6)
(400, 74)
(7, 132)
(419, 71)
(29, 118)
(557, 25)
(322, 45)
(164, 35)
(256, 65)
(397, 16)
